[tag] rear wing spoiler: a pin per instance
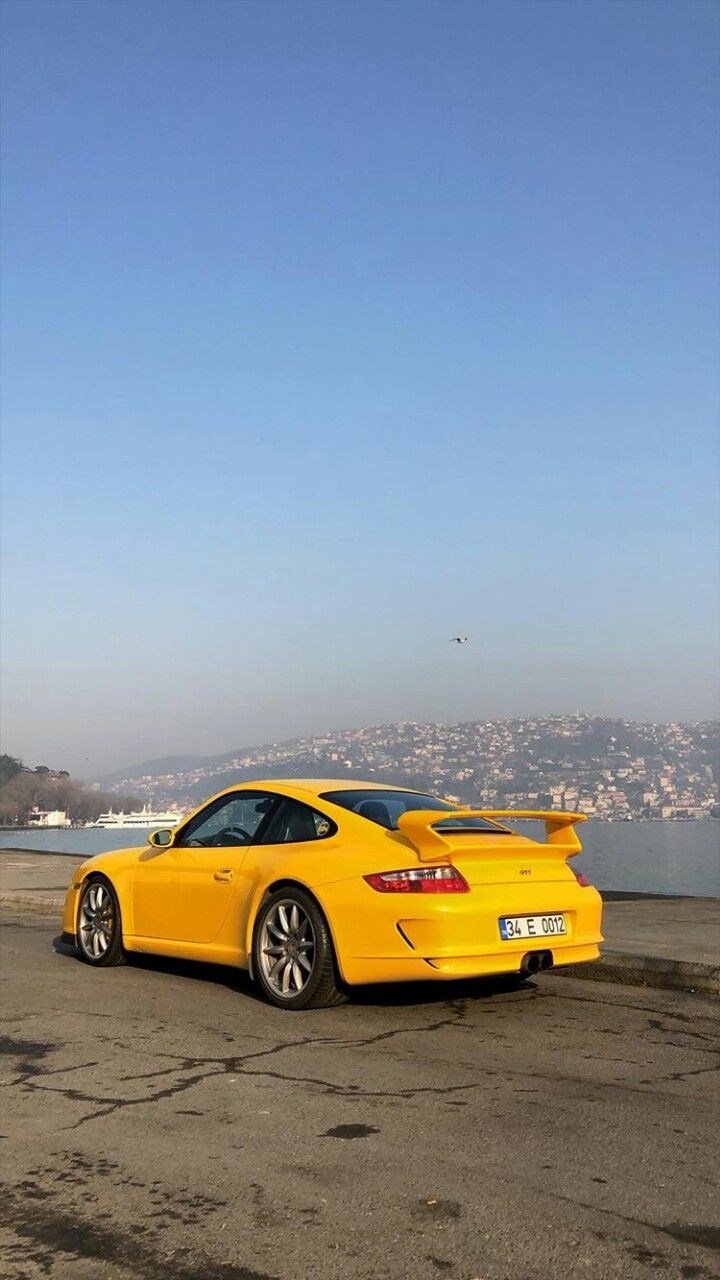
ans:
(417, 825)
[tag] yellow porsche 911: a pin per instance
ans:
(318, 885)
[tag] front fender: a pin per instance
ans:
(117, 867)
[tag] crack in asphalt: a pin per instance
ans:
(200, 1069)
(655, 1024)
(619, 1003)
(196, 1069)
(681, 1075)
(35, 1052)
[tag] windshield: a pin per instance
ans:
(385, 807)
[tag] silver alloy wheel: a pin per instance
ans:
(287, 948)
(97, 921)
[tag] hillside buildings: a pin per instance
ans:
(612, 769)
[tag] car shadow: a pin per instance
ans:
(65, 948)
(401, 994)
(195, 970)
(377, 995)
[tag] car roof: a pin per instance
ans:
(316, 786)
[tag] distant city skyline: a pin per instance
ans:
(129, 768)
(333, 331)
(610, 769)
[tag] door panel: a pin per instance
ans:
(184, 893)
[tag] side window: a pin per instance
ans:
(294, 822)
(231, 820)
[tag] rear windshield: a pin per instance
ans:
(385, 807)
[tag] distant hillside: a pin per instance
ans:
(157, 768)
(607, 768)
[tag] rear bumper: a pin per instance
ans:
(384, 938)
(447, 970)
(466, 966)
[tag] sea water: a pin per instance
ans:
(640, 857)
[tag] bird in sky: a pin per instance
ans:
(459, 640)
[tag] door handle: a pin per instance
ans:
(225, 874)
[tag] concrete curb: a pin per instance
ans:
(648, 971)
(45, 906)
(614, 966)
(46, 853)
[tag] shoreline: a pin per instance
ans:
(592, 817)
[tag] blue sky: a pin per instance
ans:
(333, 328)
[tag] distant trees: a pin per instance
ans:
(22, 790)
(9, 767)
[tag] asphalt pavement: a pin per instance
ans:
(160, 1123)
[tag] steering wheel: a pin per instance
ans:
(222, 837)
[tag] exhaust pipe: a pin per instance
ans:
(534, 961)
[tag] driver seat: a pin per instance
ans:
(293, 822)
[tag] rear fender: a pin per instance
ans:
(264, 891)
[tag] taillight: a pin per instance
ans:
(419, 880)
(581, 879)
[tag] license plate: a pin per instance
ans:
(512, 927)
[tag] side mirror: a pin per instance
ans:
(161, 839)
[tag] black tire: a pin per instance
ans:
(321, 987)
(98, 901)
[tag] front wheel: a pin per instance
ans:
(99, 928)
(293, 956)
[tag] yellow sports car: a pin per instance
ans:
(315, 885)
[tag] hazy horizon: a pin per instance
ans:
(335, 729)
(84, 772)
(331, 331)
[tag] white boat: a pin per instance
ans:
(142, 818)
(48, 818)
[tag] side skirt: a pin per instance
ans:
(202, 952)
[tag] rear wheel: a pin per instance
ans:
(99, 928)
(293, 956)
